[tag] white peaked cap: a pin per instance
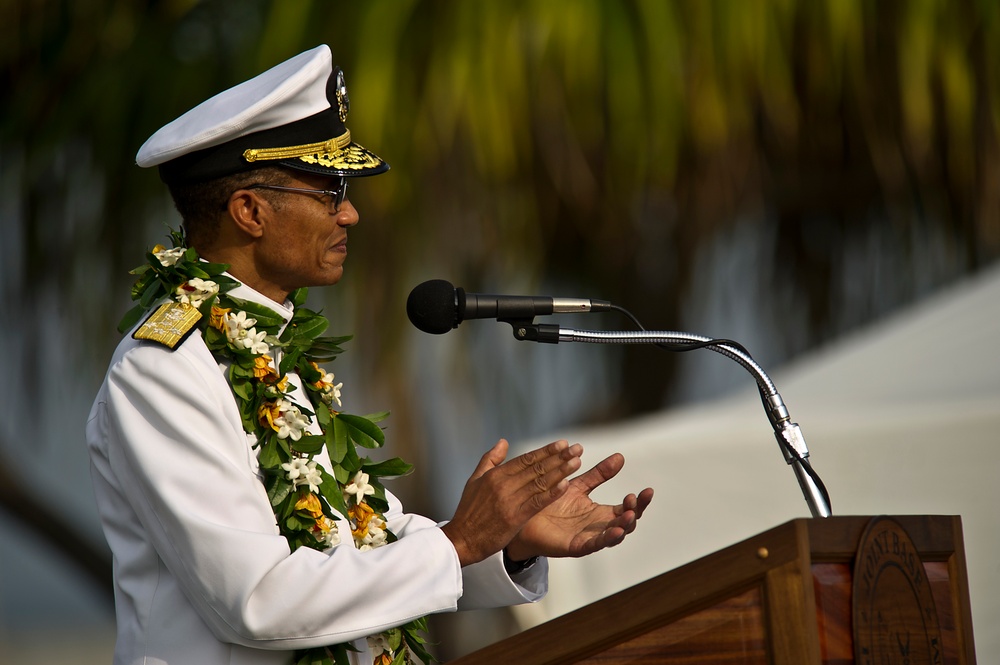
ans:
(292, 114)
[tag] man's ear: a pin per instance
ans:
(248, 211)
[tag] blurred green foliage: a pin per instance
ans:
(602, 142)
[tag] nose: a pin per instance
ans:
(348, 214)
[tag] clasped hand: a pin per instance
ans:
(531, 506)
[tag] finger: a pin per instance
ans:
(543, 487)
(643, 500)
(549, 456)
(541, 463)
(630, 502)
(492, 458)
(604, 471)
(610, 537)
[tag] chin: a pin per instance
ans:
(329, 277)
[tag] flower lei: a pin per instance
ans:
(303, 494)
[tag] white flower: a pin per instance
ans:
(378, 643)
(331, 391)
(237, 325)
(195, 291)
(241, 333)
(291, 422)
(359, 487)
(254, 341)
(303, 472)
(313, 478)
(330, 537)
(376, 533)
(168, 257)
(296, 469)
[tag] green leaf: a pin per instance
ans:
(279, 492)
(351, 463)
(226, 284)
(377, 417)
(242, 368)
(194, 270)
(293, 523)
(141, 284)
(341, 474)
(268, 456)
(395, 637)
(289, 361)
(131, 318)
(363, 431)
(340, 442)
(266, 317)
(377, 501)
(309, 444)
(302, 330)
(391, 468)
(248, 414)
(215, 339)
(332, 493)
(154, 290)
(298, 297)
(242, 387)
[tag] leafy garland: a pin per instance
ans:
(303, 494)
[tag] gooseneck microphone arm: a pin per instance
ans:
(789, 434)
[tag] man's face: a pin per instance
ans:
(305, 241)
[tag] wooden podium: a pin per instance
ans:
(834, 591)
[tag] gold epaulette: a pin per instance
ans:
(169, 324)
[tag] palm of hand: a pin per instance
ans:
(574, 525)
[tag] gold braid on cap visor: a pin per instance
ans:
(333, 153)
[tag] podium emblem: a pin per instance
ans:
(895, 619)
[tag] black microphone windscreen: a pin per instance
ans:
(431, 307)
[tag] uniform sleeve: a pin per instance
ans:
(181, 464)
(485, 584)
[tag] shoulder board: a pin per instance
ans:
(169, 324)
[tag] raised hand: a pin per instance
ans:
(573, 525)
(500, 498)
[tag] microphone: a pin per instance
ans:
(436, 306)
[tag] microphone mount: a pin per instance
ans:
(788, 434)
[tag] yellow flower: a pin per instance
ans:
(218, 318)
(158, 248)
(383, 659)
(360, 514)
(262, 368)
(310, 504)
(268, 413)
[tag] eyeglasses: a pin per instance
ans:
(334, 197)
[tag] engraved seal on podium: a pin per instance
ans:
(895, 619)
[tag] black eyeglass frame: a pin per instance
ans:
(336, 195)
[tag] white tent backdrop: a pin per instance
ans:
(903, 418)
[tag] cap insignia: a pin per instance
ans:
(343, 101)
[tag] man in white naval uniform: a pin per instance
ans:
(202, 574)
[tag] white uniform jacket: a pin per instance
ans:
(201, 574)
